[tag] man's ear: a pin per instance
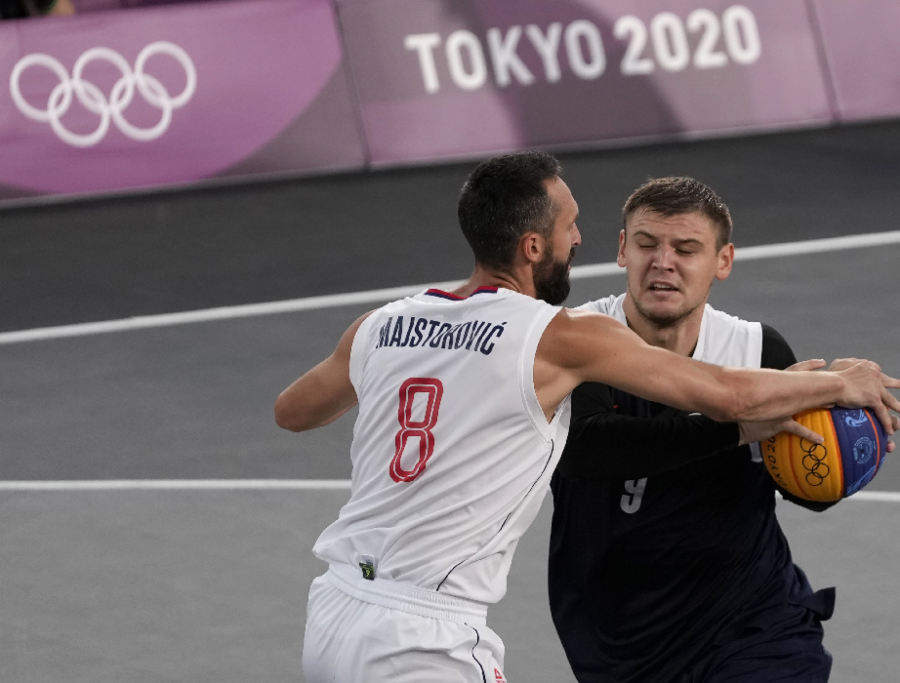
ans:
(620, 257)
(532, 246)
(726, 260)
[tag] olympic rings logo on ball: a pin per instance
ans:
(93, 99)
(814, 462)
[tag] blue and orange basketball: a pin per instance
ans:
(848, 459)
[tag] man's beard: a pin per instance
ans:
(551, 279)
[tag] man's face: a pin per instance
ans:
(671, 262)
(551, 273)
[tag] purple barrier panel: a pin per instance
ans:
(97, 5)
(444, 78)
(863, 52)
(82, 6)
(173, 94)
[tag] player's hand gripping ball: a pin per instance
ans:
(848, 459)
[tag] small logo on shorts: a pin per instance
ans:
(498, 677)
(863, 450)
(367, 564)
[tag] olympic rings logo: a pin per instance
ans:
(93, 99)
(814, 462)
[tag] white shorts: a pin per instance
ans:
(361, 631)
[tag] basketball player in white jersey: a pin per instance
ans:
(463, 412)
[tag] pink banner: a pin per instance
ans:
(173, 94)
(180, 93)
(862, 43)
(446, 78)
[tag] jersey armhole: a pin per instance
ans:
(526, 373)
(360, 349)
(755, 343)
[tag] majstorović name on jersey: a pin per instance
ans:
(475, 335)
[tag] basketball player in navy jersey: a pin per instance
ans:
(463, 411)
(667, 563)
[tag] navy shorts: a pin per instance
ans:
(777, 645)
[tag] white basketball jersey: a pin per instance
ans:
(452, 454)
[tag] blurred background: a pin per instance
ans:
(197, 198)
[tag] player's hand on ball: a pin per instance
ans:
(865, 386)
(760, 431)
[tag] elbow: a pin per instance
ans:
(284, 417)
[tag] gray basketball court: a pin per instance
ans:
(180, 584)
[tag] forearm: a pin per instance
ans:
(723, 394)
(769, 394)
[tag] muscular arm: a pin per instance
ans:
(324, 393)
(598, 429)
(654, 445)
(579, 346)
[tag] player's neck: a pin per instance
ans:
(679, 337)
(486, 277)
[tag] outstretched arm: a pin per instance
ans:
(324, 393)
(579, 346)
(599, 427)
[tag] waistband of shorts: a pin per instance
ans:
(405, 597)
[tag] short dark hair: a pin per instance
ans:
(504, 198)
(678, 195)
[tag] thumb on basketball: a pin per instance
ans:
(760, 431)
(794, 427)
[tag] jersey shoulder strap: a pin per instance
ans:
(728, 340)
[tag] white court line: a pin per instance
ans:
(257, 485)
(382, 295)
(179, 484)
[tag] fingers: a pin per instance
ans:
(839, 364)
(884, 417)
(811, 364)
(891, 401)
(795, 427)
(890, 382)
(843, 363)
(890, 446)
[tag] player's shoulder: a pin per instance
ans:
(727, 334)
(728, 319)
(607, 305)
(727, 339)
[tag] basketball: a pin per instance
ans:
(848, 459)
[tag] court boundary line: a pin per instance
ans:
(177, 485)
(93, 485)
(777, 250)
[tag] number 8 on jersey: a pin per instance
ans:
(416, 428)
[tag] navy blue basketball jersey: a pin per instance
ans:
(664, 541)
